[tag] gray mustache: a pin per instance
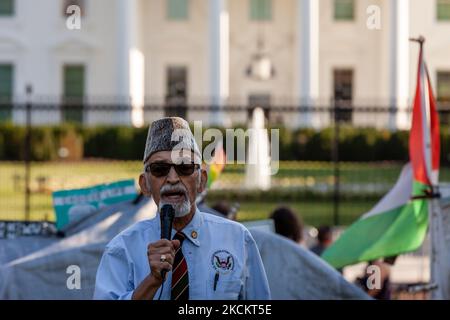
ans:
(169, 189)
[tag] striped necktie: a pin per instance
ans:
(180, 277)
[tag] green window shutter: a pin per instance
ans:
(6, 7)
(344, 10)
(260, 10)
(6, 81)
(74, 81)
(74, 93)
(177, 9)
(6, 91)
(443, 10)
(443, 86)
(443, 95)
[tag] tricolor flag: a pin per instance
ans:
(398, 223)
(424, 144)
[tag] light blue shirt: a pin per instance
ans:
(216, 250)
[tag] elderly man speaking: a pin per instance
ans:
(208, 257)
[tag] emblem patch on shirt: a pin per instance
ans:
(222, 261)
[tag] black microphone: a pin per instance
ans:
(167, 214)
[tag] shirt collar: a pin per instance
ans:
(192, 230)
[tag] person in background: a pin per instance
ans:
(384, 271)
(324, 240)
(223, 207)
(226, 209)
(288, 224)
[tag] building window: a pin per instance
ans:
(6, 91)
(259, 100)
(177, 9)
(443, 10)
(443, 86)
(6, 7)
(260, 10)
(343, 94)
(344, 10)
(176, 91)
(443, 95)
(68, 3)
(74, 79)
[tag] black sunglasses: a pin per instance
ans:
(162, 169)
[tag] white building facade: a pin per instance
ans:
(222, 53)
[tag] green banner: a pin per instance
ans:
(72, 205)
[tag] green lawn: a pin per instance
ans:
(356, 177)
(58, 176)
(313, 213)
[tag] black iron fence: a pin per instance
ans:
(336, 160)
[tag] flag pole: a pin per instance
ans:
(439, 259)
(420, 40)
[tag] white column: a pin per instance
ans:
(218, 57)
(399, 64)
(308, 46)
(130, 62)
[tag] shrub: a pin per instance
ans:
(127, 143)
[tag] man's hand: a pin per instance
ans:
(148, 287)
(155, 251)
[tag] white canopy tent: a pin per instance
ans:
(39, 271)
